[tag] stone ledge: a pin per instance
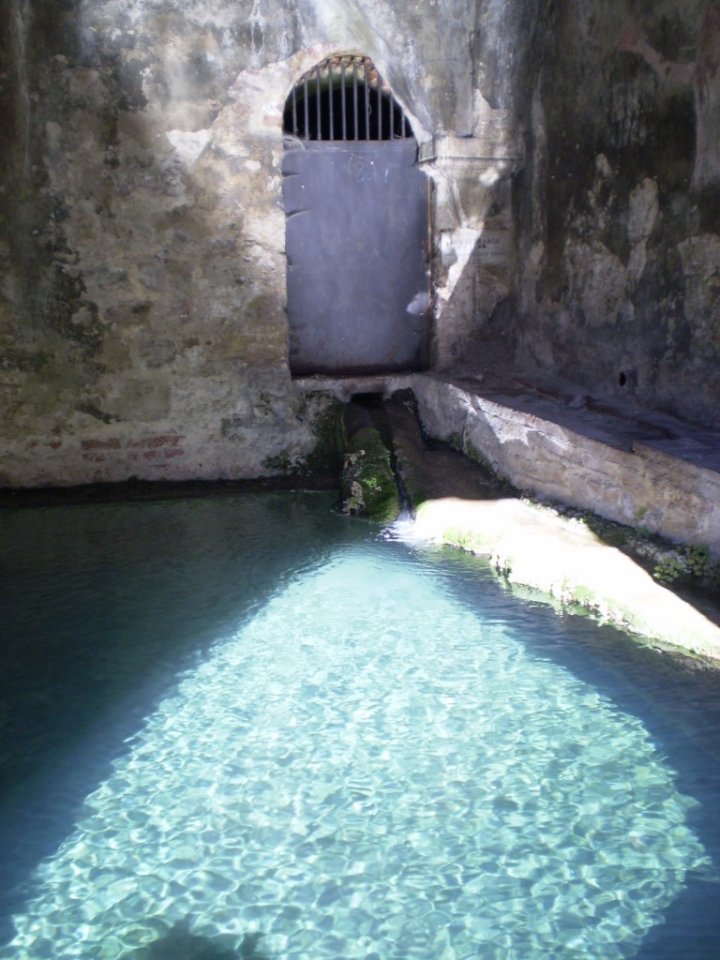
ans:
(563, 560)
(652, 473)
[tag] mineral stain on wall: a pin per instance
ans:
(618, 207)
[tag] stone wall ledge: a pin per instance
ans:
(629, 466)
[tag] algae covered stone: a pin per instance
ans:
(368, 482)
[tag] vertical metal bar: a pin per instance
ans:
(356, 126)
(331, 93)
(367, 102)
(294, 111)
(344, 108)
(379, 109)
(391, 98)
(318, 104)
(306, 105)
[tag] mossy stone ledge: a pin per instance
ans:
(368, 483)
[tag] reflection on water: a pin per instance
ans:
(383, 757)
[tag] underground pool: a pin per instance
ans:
(248, 727)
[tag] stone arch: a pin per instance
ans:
(344, 98)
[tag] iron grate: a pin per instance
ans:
(344, 98)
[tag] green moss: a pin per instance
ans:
(698, 561)
(668, 562)
(324, 413)
(582, 595)
(410, 474)
(615, 534)
(368, 482)
(669, 569)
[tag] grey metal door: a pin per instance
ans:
(356, 243)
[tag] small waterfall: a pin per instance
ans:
(374, 411)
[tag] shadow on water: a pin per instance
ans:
(677, 698)
(180, 943)
(103, 609)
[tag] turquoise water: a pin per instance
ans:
(251, 728)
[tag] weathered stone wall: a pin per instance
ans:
(142, 313)
(475, 250)
(142, 302)
(143, 331)
(618, 205)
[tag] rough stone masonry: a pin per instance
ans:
(143, 326)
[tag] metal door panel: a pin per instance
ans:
(356, 238)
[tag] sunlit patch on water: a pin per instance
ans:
(370, 769)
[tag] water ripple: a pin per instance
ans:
(370, 769)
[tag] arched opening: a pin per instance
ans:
(344, 98)
(356, 206)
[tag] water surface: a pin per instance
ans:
(249, 727)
